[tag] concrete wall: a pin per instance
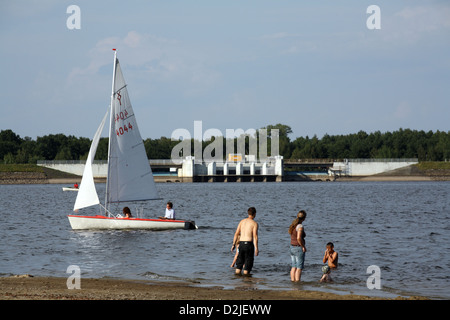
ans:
(99, 170)
(369, 167)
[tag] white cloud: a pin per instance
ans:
(158, 58)
(413, 24)
(426, 18)
(133, 39)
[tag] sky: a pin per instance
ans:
(315, 66)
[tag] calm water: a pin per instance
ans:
(402, 227)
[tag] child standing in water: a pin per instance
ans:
(233, 264)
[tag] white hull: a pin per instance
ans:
(106, 223)
(69, 189)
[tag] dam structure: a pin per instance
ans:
(273, 169)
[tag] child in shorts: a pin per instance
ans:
(237, 253)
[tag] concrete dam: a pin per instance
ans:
(272, 169)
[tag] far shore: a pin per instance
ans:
(72, 181)
(33, 174)
(31, 178)
(26, 287)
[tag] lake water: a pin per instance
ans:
(401, 227)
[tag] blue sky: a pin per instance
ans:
(312, 65)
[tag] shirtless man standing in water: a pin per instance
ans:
(248, 246)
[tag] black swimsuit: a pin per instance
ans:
(246, 255)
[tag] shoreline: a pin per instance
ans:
(26, 287)
(32, 174)
(43, 175)
(24, 178)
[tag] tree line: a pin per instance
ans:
(403, 143)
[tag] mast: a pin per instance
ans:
(111, 117)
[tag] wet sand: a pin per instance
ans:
(54, 288)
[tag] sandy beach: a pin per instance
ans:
(27, 287)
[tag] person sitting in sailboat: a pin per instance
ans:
(170, 212)
(126, 211)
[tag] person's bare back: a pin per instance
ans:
(248, 228)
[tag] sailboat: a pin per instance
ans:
(129, 176)
(69, 189)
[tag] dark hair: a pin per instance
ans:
(251, 211)
(301, 215)
(330, 244)
(170, 204)
(126, 210)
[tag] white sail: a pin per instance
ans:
(87, 194)
(130, 177)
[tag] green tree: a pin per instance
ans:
(27, 152)
(9, 144)
(403, 143)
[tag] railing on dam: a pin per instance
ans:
(381, 160)
(325, 160)
(287, 161)
(56, 162)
